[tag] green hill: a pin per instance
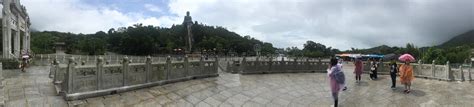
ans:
(462, 39)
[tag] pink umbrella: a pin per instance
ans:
(406, 57)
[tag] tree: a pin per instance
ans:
(313, 49)
(267, 49)
(43, 43)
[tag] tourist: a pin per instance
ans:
(24, 61)
(393, 72)
(406, 72)
(373, 69)
(358, 69)
(336, 79)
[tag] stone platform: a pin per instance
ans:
(34, 89)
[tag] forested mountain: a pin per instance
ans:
(466, 38)
(148, 40)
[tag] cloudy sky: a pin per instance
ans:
(337, 23)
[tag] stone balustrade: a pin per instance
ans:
(75, 81)
(432, 71)
(269, 66)
(47, 59)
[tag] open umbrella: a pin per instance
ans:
(406, 57)
(389, 57)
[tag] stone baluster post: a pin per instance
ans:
(243, 64)
(148, 69)
(433, 68)
(95, 57)
(470, 67)
(186, 66)
(257, 62)
(100, 72)
(168, 67)
(462, 72)
(228, 66)
(80, 59)
(307, 65)
(64, 58)
(448, 72)
(295, 64)
(56, 72)
(320, 65)
(1, 71)
(270, 64)
(87, 58)
(420, 64)
(125, 68)
(69, 78)
(216, 64)
(201, 66)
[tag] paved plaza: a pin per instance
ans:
(34, 89)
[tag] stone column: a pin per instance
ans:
(7, 28)
(100, 72)
(26, 39)
(125, 70)
(16, 42)
(70, 75)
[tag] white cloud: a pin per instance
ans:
(337, 23)
(153, 8)
(78, 17)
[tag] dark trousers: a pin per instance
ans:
(394, 78)
(374, 74)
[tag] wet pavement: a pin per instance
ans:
(34, 89)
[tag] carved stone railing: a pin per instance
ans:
(269, 66)
(47, 59)
(432, 71)
(75, 81)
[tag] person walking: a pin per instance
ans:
(358, 69)
(336, 79)
(393, 72)
(24, 62)
(406, 72)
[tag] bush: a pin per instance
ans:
(10, 63)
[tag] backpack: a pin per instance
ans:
(339, 76)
